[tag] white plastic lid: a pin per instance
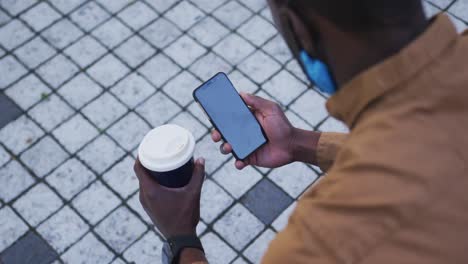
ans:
(166, 148)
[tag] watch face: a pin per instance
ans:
(167, 256)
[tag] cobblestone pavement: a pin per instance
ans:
(82, 81)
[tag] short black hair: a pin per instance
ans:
(362, 15)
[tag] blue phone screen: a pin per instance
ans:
(230, 115)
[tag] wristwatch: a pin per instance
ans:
(174, 246)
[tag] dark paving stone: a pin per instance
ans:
(9, 111)
(30, 249)
(266, 201)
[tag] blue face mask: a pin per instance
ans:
(318, 73)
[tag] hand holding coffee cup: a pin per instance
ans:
(167, 153)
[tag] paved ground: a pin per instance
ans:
(82, 81)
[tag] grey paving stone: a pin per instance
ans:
(80, 90)
(234, 49)
(161, 64)
(234, 181)
(209, 65)
(460, 9)
(185, 51)
(133, 90)
(333, 125)
(278, 49)
(208, 5)
(129, 131)
(232, 14)
(282, 220)
(44, 156)
(113, 5)
(104, 110)
(158, 109)
(4, 18)
(257, 30)
(70, 178)
(122, 178)
(259, 67)
(89, 15)
(10, 111)
(242, 83)
(135, 51)
(214, 200)
(108, 70)
(181, 87)
(88, 250)
(112, 32)
(293, 178)
(38, 251)
(137, 15)
(63, 229)
(57, 70)
(210, 151)
(37, 204)
(238, 226)
(34, 52)
(216, 250)
(266, 201)
(20, 134)
(4, 157)
(66, 5)
(312, 106)
(62, 33)
(85, 51)
(208, 31)
(297, 121)
(258, 248)
(101, 153)
(184, 15)
(134, 203)
(95, 202)
(285, 87)
(161, 32)
(255, 5)
(40, 16)
(14, 34)
(120, 229)
(16, 7)
(10, 70)
(75, 133)
(15, 179)
(146, 250)
(162, 5)
(11, 227)
(184, 119)
(50, 112)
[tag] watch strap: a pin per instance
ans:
(178, 243)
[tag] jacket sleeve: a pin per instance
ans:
(328, 146)
(364, 199)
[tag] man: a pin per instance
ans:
(395, 191)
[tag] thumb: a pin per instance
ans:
(257, 103)
(198, 175)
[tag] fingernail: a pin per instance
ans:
(201, 161)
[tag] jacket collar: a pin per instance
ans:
(352, 98)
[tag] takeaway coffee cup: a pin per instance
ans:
(167, 153)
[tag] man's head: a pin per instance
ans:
(348, 34)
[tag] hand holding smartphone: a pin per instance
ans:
(230, 116)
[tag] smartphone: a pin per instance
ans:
(230, 115)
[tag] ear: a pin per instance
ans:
(304, 33)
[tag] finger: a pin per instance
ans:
(146, 182)
(256, 102)
(215, 136)
(240, 165)
(225, 148)
(198, 175)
